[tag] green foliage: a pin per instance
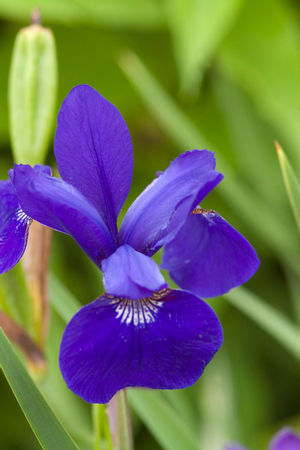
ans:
(291, 184)
(44, 423)
(198, 28)
(32, 94)
(220, 75)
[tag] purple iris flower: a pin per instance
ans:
(140, 332)
(285, 439)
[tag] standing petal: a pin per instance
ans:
(162, 208)
(59, 205)
(94, 152)
(285, 439)
(14, 226)
(208, 256)
(128, 273)
(161, 342)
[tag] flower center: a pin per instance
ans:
(140, 311)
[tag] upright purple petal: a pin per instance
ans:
(208, 256)
(162, 208)
(59, 205)
(128, 273)
(161, 342)
(14, 226)
(285, 439)
(94, 152)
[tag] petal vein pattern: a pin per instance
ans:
(14, 227)
(103, 351)
(139, 312)
(208, 256)
(162, 208)
(94, 152)
(60, 206)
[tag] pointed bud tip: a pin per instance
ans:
(35, 18)
(277, 146)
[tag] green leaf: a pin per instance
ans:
(71, 410)
(170, 431)
(291, 183)
(135, 13)
(186, 135)
(198, 27)
(65, 304)
(268, 318)
(262, 55)
(44, 423)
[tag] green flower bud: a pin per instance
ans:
(32, 93)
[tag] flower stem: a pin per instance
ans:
(120, 422)
(102, 436)
(35, 264)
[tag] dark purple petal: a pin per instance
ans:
(94, 152)
(59, 205)
(208, 256)
(128, 273)
(14, 226)
(285, 439)
(162, 208)
(163, 342)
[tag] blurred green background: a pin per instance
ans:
(216, 74)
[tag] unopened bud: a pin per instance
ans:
(32, 93)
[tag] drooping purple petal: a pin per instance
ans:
(128, 273)
(208, 256)
(94, 152)
(162, 208)
(285, 439)
(14, 226)
(59, 205)
(163, 342)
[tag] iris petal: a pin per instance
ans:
(128, 273)
(285, 439)
(94, 152)
(59, 205)
(162, 208)
(162, 342)
(208, 256)
(14, 226)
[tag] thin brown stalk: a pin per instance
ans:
(19, 336)
(35, 264)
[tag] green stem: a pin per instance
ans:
(120, 422)
(102, 436)
(268, 318)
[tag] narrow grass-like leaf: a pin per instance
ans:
(170, 431)
(262, 55)
(197, 29)
(187, 136)
(139, 14)
(291, 183)
(64, 303)
(44, 423)
(268, 318)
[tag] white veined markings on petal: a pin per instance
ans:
(140, 311)
(22, 217)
